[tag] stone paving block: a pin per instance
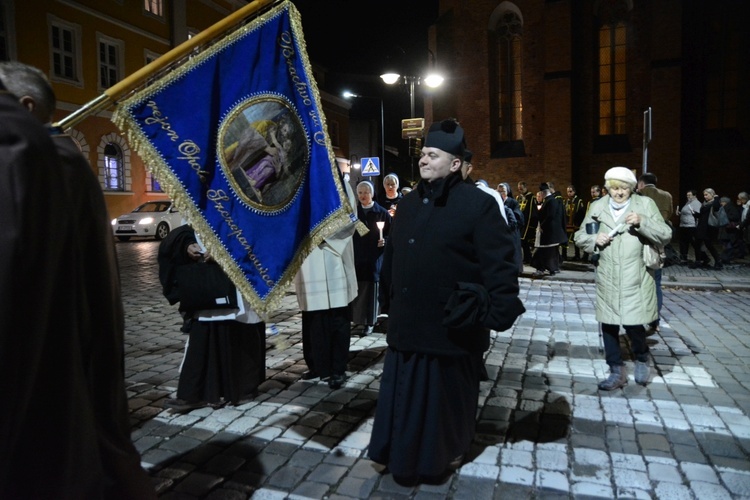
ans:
(198, 484)
(552, 481)
(355, 487)
(634, 493)
(287, 477)
(226, 494)
(516, 475)
(671, 491)
(471, 488)
(710, 490)
(591, 490)
(309, 489)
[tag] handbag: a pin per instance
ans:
(654, 256)
(713, 220)
(204, 285)
(722, 217)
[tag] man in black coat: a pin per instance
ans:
(448, 278)
(551, 222)
(62, 372)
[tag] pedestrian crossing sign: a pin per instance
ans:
(371, 166)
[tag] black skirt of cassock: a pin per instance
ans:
(365, 306)
(224, 359)
(426, 412)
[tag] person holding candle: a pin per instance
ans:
(390, 197)
(368, 256)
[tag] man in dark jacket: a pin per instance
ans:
(551, 218)
(448, 278)
(647, 187)
(61, 374)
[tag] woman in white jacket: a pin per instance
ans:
(619, 226)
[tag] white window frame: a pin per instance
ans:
(124, 172)
(118, 66)
(75, 54)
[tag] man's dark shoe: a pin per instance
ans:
(336, 381)
(181, 405)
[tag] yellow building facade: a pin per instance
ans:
(84, 47)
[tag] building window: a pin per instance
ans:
(110, 62)
(150, 56)
(152, 185)
(65, 51)
(508, 96)
(613, 53)
(154, 7)
(113, 168)
(724, 48)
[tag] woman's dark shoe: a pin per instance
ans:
(309, 375)
(336, 381)
(718, 266)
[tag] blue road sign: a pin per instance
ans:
(370, 166)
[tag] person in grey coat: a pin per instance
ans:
(619, 226)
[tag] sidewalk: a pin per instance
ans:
(735, 276)
(543, 429)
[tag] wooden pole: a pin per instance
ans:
(134, 80)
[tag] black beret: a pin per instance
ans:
(448, 136)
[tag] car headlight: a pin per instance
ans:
(147, 220)
(114, 222)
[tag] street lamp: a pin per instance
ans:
(349, 95)
(432, 80)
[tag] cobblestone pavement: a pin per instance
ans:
(543, 429)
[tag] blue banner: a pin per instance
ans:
(237, 138)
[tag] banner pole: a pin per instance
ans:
(135, 79)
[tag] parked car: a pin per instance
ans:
(152, 219)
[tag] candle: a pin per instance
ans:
(380, 224)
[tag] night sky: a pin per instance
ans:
(356, 39)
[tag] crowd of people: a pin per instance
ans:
(441, 261)
(715, 229)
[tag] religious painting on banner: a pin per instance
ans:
(237, 138)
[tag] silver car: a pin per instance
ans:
(154, 219)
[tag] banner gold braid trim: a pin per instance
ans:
(155, 163)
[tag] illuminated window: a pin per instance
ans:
(113, 168)
(508, 96)
(613, 53)
(155, 7)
